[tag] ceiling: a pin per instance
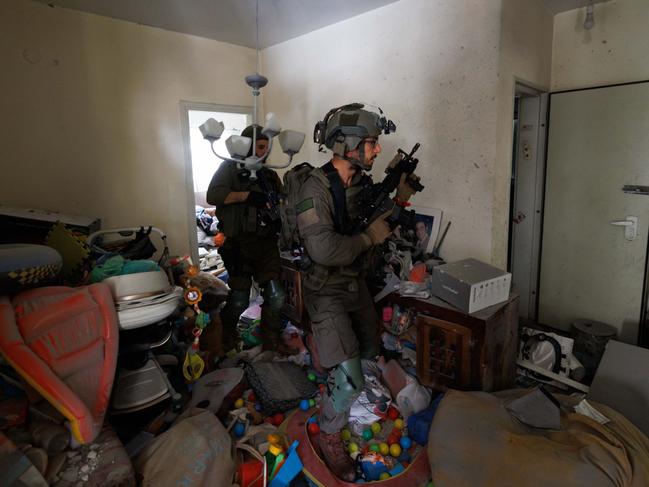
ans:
(233, 21)
(556, 6)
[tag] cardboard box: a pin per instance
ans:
(471, 285)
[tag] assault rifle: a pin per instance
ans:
(271, 214)
(376, 199)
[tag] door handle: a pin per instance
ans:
(630, 225)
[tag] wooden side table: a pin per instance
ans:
(464, 351)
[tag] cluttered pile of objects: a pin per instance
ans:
(126, 365)
(147, 387)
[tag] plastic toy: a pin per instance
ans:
(274, 439)
(367, 434)
(392, 440)
(376, 428)
(278, 419)
(304, 404)
(275, 450)
(405, 443)
(311, 402)
(384, 449)
(384, 476)
(238, 403)
(375, 448)
(398, 423)
(313, 428)
(313, 419)
(346, 435)
(287, 471)
(353, 447)
(373, 465)
(311, 377)
(397, 469)
(393, 413)
(239, 429)
(395, 450)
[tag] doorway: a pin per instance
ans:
(526, 196)
(201, 164)
(594, 248)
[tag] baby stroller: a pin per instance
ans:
(144, 300)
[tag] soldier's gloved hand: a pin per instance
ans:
(405, 190)
(257, 199)
(379, 229)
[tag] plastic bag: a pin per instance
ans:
(373, 402)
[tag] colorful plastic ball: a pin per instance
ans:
(396, 432)
(384, 449)
(384, 476)
(353, 447)
(392, 440)
(258, 407)
(346, 435)
(304, 405)
(238, 403)
(278, 419)
(312, 419)
(395, 450)
(405, 443)
(375, 447)
(239, 429)
(367, 434)
(311, 402)
(376, 428)
(312, 377)
(273, 439)
(393, 413)
(398, 423)
(313, 428)
(251, 397)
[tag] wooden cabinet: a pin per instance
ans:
(461, 351)
(293, 307)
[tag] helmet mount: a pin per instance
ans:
(344, 128)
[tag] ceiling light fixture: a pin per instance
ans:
(590, 16)
(290, 140)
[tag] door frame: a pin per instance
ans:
(643, 323)
(185, 107)
(523, 89)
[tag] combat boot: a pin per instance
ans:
(338, 461)
(272, 341)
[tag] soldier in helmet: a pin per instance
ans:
(344, 322)
(250, 249)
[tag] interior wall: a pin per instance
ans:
(91, 117)
(525, 56)
(615, 50)
(433, 68)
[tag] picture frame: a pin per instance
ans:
(431, 219)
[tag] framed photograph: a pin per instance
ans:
(427, 223)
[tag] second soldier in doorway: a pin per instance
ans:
(250, 249)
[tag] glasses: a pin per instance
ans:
(371, 142)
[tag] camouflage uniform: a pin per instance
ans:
(250, 249)
(343, 319)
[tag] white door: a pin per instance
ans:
(598, 143)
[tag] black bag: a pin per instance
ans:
(279, 386)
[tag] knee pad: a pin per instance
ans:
(273, 295)
(347, 384)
